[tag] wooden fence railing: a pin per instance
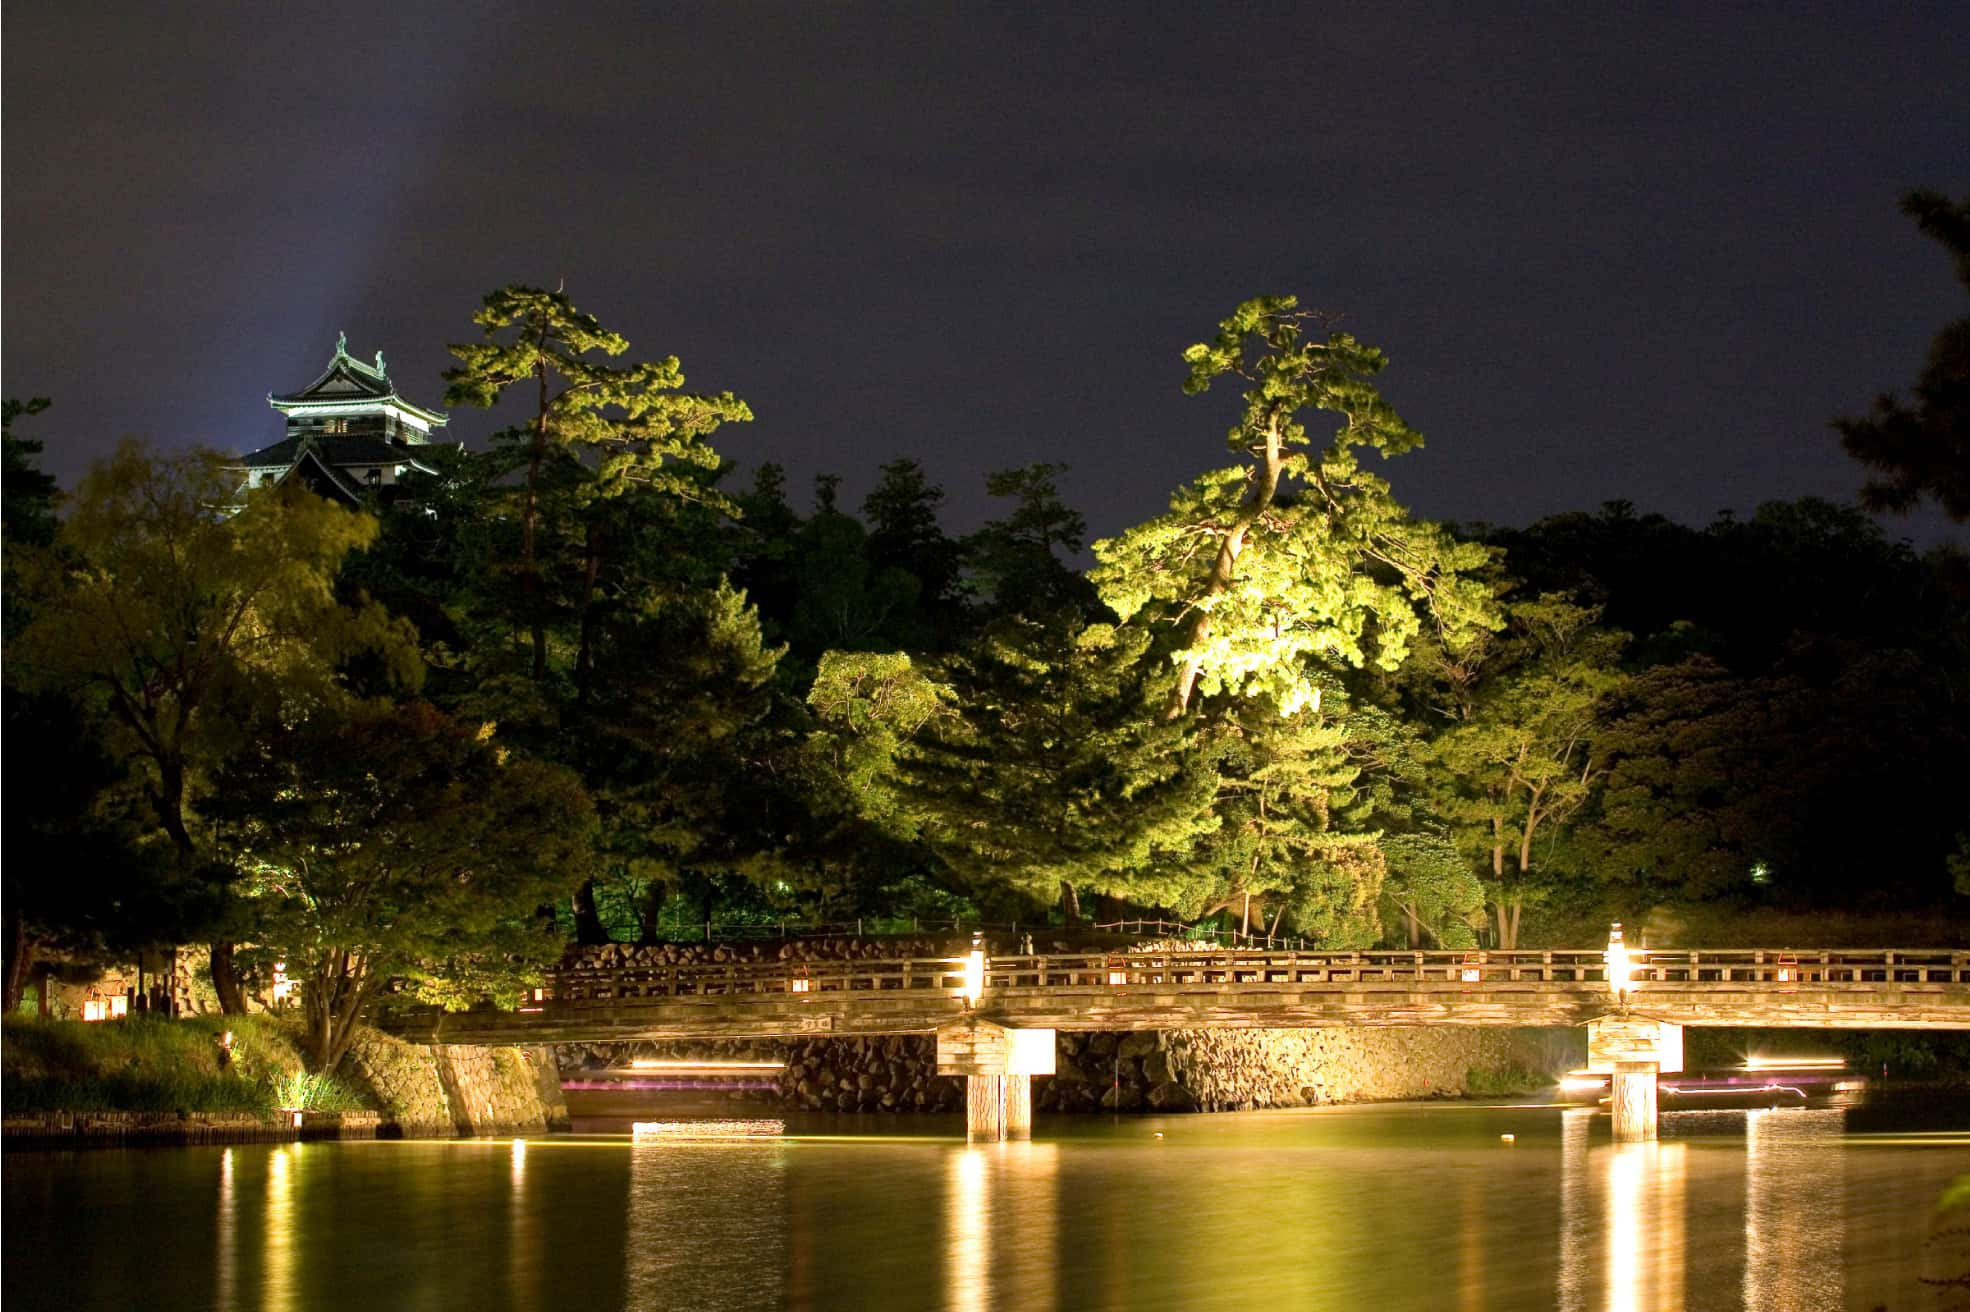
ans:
(1781, 969)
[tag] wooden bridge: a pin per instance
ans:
(1832, 988)
(994, 1020)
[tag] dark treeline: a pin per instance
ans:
(594, 681)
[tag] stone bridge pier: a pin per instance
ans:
(998, 1065)
(1631, 1050)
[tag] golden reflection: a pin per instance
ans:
(1671, 1225)
(523, 1255)
(968, 1281)
(225, 1284)
(1646, 1230)
(1470, 1250)
(1624, 1227)
(691, 1246)
(644, 1279)
(283, 1168)
(1577, 1220)
(1028, 1206)
(1623, 1224)
(1795, 1208)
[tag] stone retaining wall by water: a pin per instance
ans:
(460, 1089)
(423, 1090)
(1180, 1070)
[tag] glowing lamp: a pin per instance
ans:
(1118, 977)
(119, 1006)
(974, 974)
(295, 1114)
(92, 1009)
(1619, 965)
(802, 985)
(283, 986)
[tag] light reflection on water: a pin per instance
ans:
(228, 1213)
(277, 1244)
(1415, 1207)
(1795, 1209)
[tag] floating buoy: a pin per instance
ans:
(1508, 1138)
(1159, 1134)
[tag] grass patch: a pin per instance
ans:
(152, 1064)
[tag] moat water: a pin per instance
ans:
(1387, 1207)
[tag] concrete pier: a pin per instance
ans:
(998, 1066)
(1632, 1050)
(1633, 1103)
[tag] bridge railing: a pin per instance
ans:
(1779, 969)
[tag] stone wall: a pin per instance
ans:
(1243, 1069)
(460, 1089)
(1181, 1070)
(895, 1073)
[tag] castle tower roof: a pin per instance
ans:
(349, 386)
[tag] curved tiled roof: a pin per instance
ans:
(349, 381)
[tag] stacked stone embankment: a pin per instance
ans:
(893, 1073)
(1146, 1071)
(445, 1089)
(607, 956)
(1247, 1069)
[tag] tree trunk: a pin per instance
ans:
(1508, 922)
(1415, 924)
(588, 922)
(1224, 569)
(530, 573)
(20, 960)
(1070, 903)
(591, 571)
(225, 980)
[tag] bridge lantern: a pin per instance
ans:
(1118, 974)
(800, 984)
(974, 972)
(1620, 966)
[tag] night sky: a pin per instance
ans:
(1643, 255)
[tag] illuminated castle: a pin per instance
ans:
(350, 437)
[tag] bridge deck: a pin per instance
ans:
(1847, 988)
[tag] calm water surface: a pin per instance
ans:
(1411, 1206)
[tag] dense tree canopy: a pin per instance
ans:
(1282, 704)
(381, 842)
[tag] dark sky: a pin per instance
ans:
(1644, 254)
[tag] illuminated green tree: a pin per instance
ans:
(1055, 774)
(181, 623)
(596, 431)
(1284, 799)
(1295, 560)
(383, 842)
(1263, 585)
(1521, 750)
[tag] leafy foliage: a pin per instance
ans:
(393, 842)
(1297, 559)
